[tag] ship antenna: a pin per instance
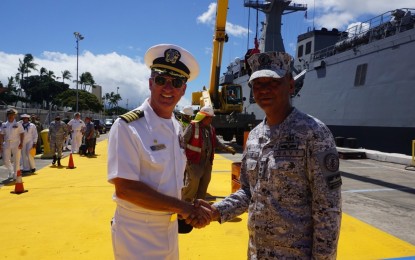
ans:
(249, 21)
(256, 24)
(314, 12)
(256, 27)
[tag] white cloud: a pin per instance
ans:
(209, 17)
(340, 13)
(109, 71)
(236, 30)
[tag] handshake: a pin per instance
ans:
(200, 214)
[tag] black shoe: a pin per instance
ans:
(33, 170)
(59, 162)
(54, 160)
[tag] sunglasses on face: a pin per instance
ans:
(175, 82)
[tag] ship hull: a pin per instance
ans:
(385, 139)
(380, 113)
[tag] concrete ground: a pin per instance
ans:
(66, 213)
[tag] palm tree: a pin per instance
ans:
(43, 71)
(66, 74)
(26, 65)
(114, 98)
(86, 79)
(51, 74)
(105, 98)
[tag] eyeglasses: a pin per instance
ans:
(175, 82)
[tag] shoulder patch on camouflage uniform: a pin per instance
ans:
(329, 164)
(132, 115)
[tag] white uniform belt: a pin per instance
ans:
(129, 206)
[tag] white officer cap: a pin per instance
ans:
(172, 59)
(11, 111)
(187, 110)
(25, 116)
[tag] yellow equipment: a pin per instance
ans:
(227, 101)
(229, 98)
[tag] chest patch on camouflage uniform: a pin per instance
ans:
(288, 147)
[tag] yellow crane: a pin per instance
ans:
(228, 98)
(227, 101)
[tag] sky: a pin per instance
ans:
(117, 34)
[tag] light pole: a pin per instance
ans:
(78, 38)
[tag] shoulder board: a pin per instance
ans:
(132, 115)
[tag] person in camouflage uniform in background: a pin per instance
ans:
(58, 131)
(290, 179)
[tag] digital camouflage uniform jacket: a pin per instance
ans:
(290, 185)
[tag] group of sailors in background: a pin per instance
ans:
(20, 140)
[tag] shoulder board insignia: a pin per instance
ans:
(132, 115)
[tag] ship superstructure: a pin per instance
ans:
(360, 82)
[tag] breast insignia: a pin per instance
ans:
(132, 115)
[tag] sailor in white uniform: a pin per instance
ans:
(146, 162)
(11, 142)
(29, 143)
(75, 128)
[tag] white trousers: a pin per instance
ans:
(28, 161)
(12, 165)
(138, 235)
(76, 141)
(68, 140)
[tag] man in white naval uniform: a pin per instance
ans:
(29, 142)
(146, 162)
(75, 128)
(11, 142)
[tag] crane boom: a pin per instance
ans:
(219, 39)
(225, 98)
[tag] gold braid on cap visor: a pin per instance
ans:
(181, 72)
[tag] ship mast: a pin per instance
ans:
(274, 10)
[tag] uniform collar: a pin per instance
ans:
(153, 120)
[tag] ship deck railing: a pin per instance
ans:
(379, 27)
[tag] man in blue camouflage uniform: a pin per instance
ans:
(290, 183)
(58, 131)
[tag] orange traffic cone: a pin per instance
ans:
(18, 187)
(71, 164)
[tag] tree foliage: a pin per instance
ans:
(43, 88)
(86, 100)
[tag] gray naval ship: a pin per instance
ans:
(359, 82)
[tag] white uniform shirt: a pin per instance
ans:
(11, 133)
(150, 150)
(76, 124)
(30, 133)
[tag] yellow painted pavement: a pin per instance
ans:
(66, 215)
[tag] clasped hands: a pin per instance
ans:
(201, 214)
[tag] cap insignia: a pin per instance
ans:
(172, 56)
(264, 61)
